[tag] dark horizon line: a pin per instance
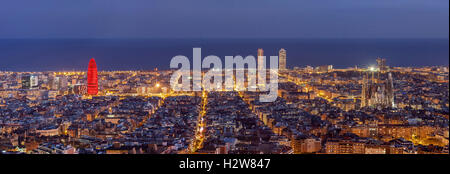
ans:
(167, 69)
(148, 38)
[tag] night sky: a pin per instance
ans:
(224, 19)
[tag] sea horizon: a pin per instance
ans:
(72, 54)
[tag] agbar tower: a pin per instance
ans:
(92, 78)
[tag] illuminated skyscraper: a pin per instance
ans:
(92, 78)
(260, 59)
(260, 52)
(62, 84)
(261, 76)
(282, 57)
(30, 81)
(26, 81)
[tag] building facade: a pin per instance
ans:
(282, 59)
(92, 78)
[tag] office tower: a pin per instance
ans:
(261, 76)
(260, 52)
(34, 82)
(260, 59)
(53, 83)
(50, 82)
(92, 78)
(62, 83)
(26, 81)
(29, 81)
(282, 58)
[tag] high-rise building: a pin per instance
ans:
(34, 81)
(282, 58)
(26, 81)
(261, 58)
(30, 81)
(260, 52)
(62, 83)
(92, 78)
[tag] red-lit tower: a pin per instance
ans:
(92, 78)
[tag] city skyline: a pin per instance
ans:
(237, 77)
(318, 110)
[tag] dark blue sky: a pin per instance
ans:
(224, 18)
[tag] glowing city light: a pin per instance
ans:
(92, 78)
